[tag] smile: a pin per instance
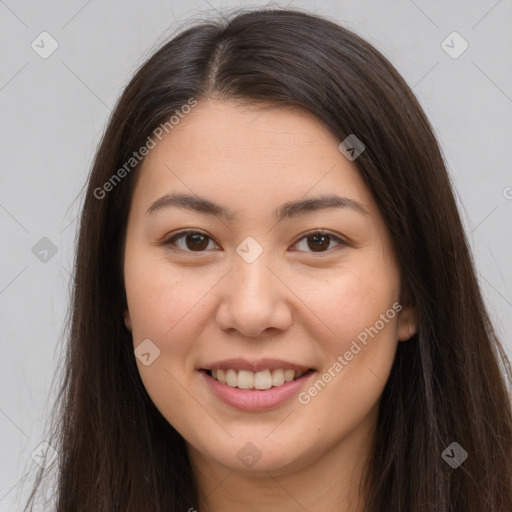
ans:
(255, 385)
(261, 380)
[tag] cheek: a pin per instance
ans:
(161, 298)
(352, 301)
(170, 307)
(362, 312)
(360, 308)
(166, 308)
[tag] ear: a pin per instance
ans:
(127, 320)
(407, 319)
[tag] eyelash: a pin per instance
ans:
(171, 240)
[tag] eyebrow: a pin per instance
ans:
(287, 210)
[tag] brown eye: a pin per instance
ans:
(318, 241)
(194, 241)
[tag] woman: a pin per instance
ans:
(275, 306)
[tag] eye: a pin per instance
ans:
(194, 241)
(318, 241)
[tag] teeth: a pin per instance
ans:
(231, 378)
(277, 377)
(289, 375)
(265, 379)
(245, 379)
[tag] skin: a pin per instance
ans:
(291, 303)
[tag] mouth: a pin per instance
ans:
(255, 386)
(261, 380)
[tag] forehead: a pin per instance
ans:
(249, 157)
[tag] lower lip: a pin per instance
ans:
(255, 399)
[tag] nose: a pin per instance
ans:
(253, 300)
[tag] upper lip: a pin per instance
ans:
(255, 366)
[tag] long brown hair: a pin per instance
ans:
(449, 382)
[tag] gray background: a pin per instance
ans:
(55, 109)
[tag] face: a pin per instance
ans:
(265, 307)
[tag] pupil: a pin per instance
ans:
(197, 239)
(323, 240)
